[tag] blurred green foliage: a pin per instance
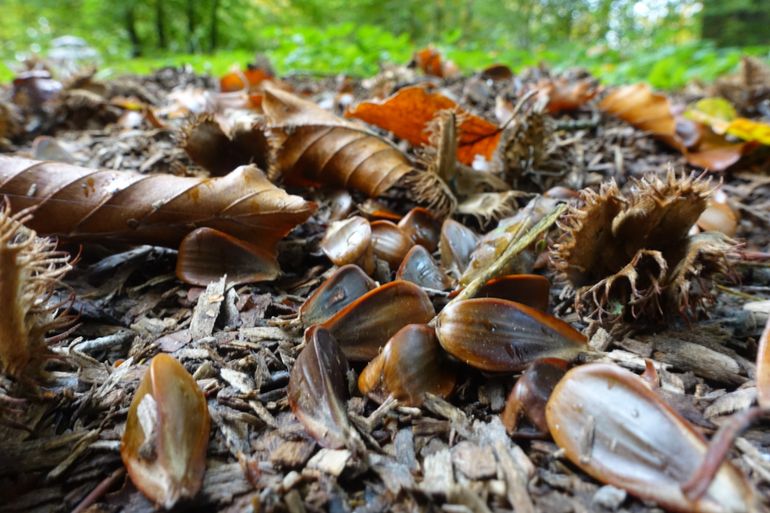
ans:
(620, 41)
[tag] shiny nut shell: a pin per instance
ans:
(503, 336)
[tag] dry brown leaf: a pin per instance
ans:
(315, 147)
(639, 106)
(79, 203)
(565, 95)
(408, 112)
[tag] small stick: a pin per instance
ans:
(100, 490)
(717, 451)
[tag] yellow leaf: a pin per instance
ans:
(749, 130)
(714, 112)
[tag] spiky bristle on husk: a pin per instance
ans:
(430, 190)
(631, 256)
(30, 267)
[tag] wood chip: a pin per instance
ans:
(474, 461)
(330, 461)
(207, 310)
(732, 402)
(437, 471)
(292, 453)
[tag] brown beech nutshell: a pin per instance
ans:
(456, 246)
(167, 433)
(419, 267)
(528, 289)
(410, 365)
(531, 393)
(206, 254)
(503, 336)
(763, 368)
(422, 227)
(347, 284)
(612, 425)
(389, 242)
(345, 242)
(318, 389)
(366, 325)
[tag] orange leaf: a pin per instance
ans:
(237, 80)
(429, 60)
(408, 112)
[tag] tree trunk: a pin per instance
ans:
(213, 33)
(730, 23)
(160, 24)
(192, 47)
(133, 35)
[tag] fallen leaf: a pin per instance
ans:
(616, 429)
(318, 389)
(78, 203)
(719, 115)
(651, 112)
(248, 78)
(430, 61)
(408, 112)
(167, 433)
(315, 147)
(566, 95)
(749, 130)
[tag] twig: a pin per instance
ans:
(738, 293)
(100, 490)
(717, 451)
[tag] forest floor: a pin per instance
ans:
(60, 445)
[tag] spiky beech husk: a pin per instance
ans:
(30, 268)
(428, 189)
(221, 144)
(530, 155)
(631, 256)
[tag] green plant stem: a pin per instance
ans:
(515, 247)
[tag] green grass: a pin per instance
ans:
(359, 50)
